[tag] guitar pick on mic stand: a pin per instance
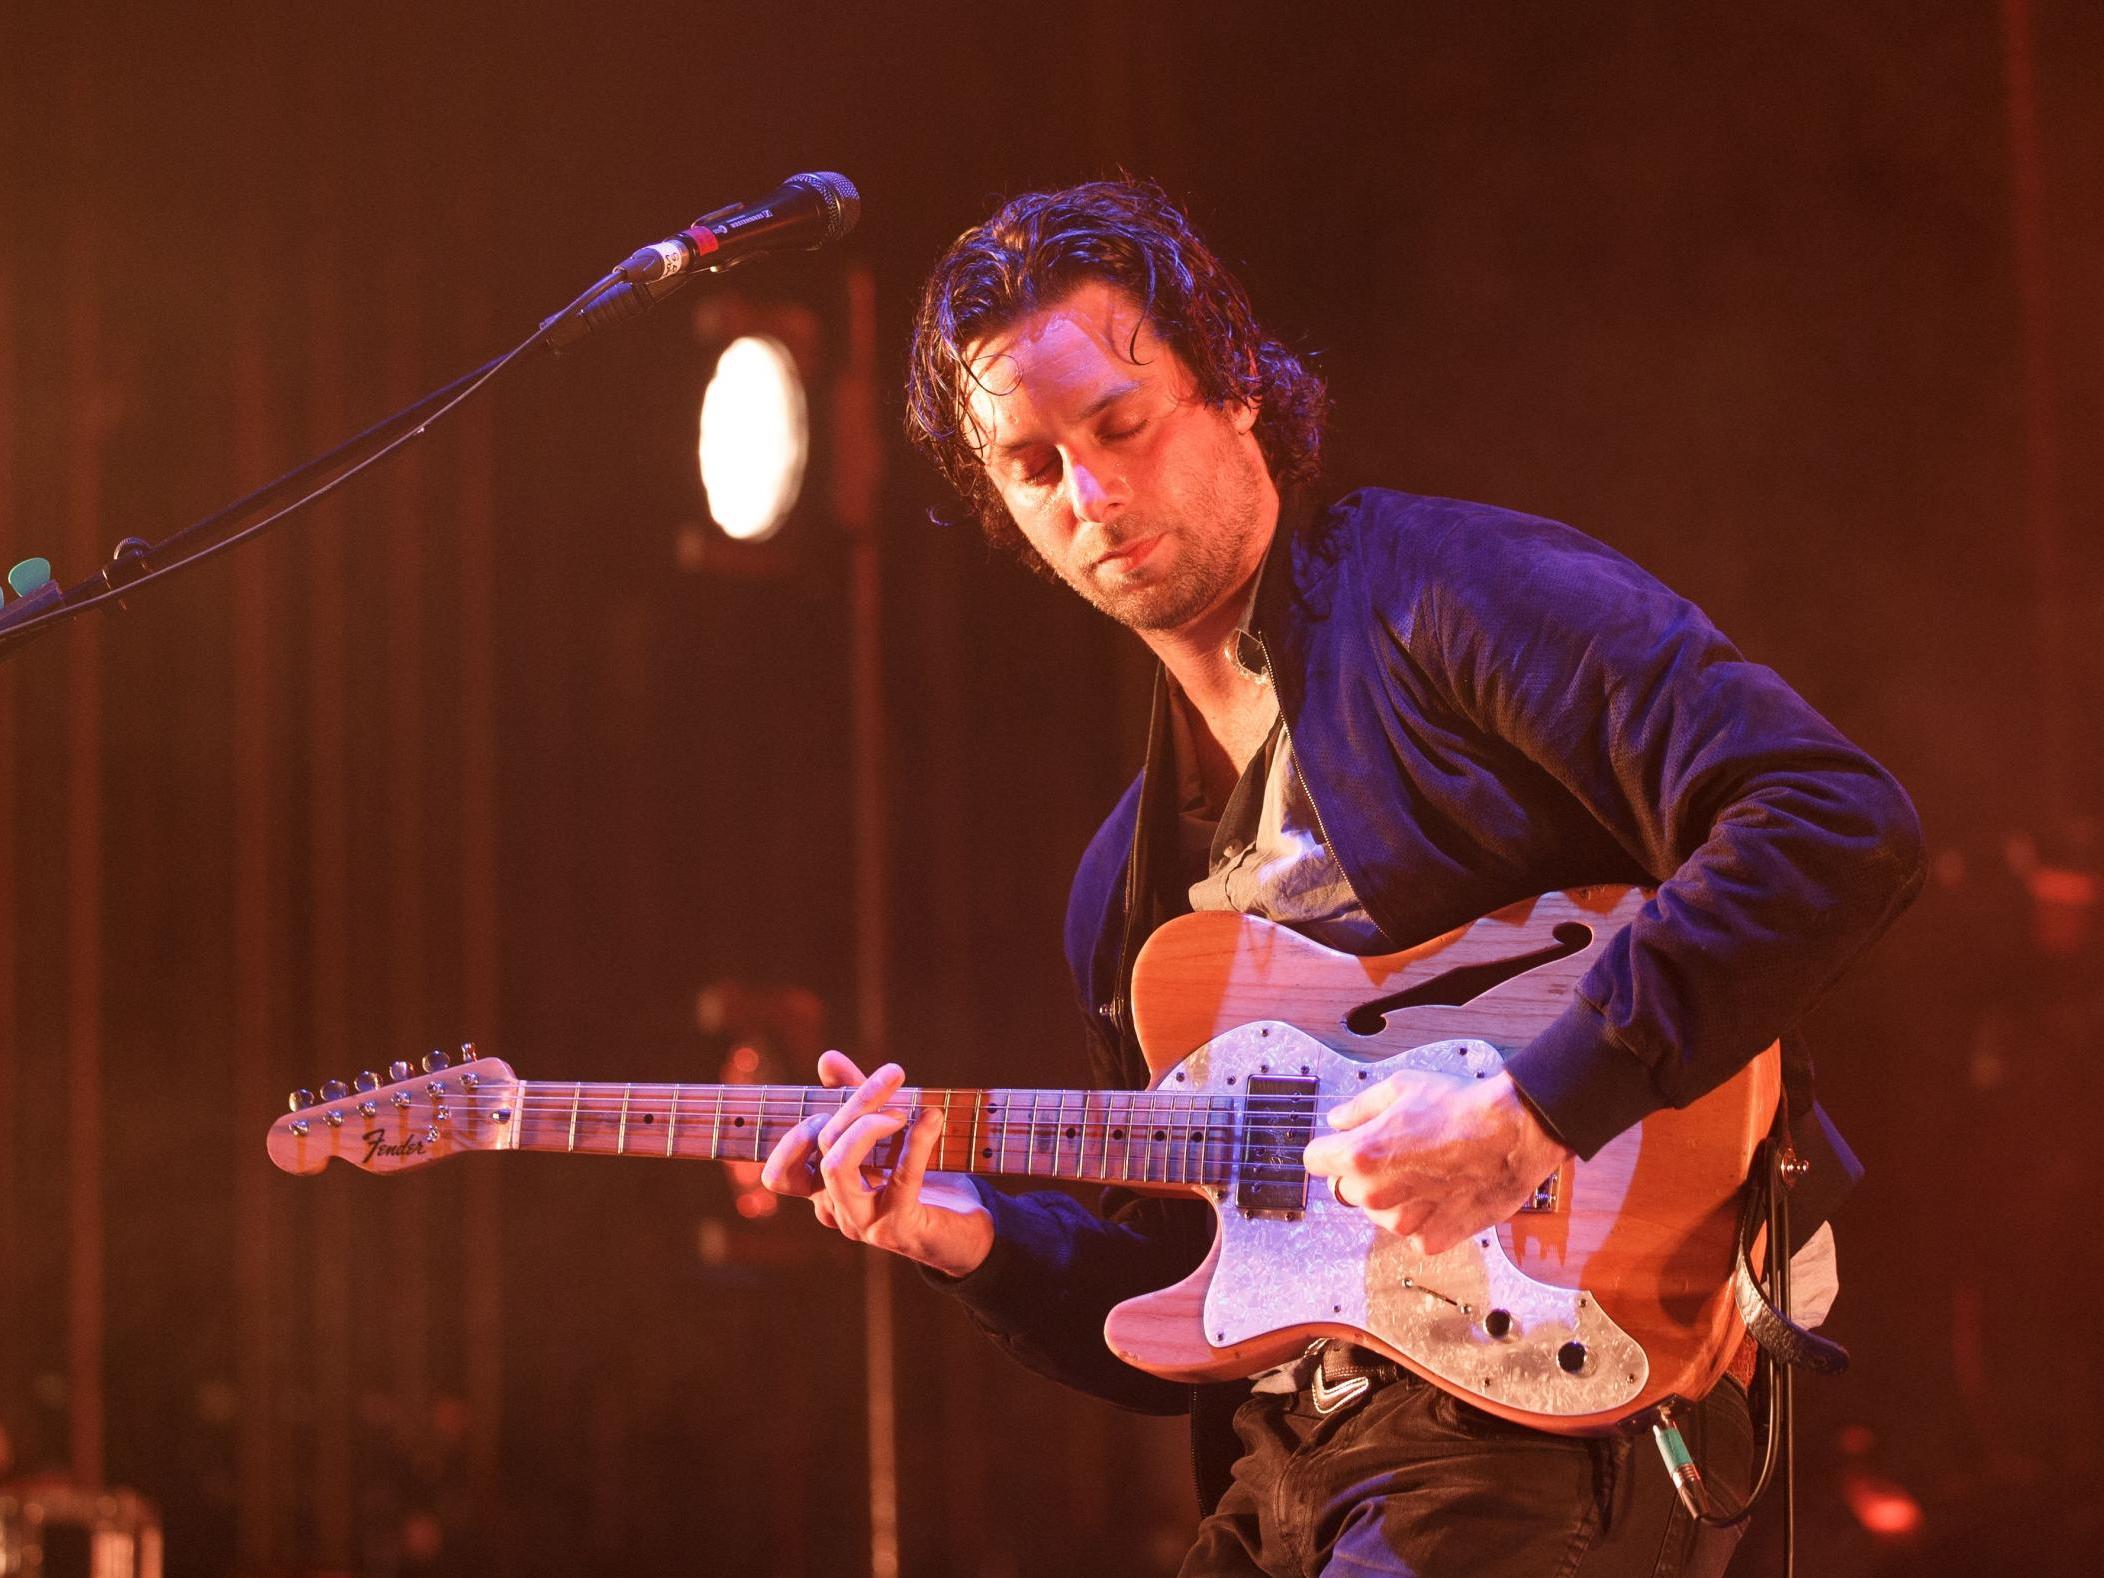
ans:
(806, 212)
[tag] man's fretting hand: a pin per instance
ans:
(1436, 1158)
(937, 1220)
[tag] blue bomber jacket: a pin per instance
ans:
(1486, 706)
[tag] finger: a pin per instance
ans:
(1441, 1230)
(871, 1095)
(822, 1208)
(1402, 1220)
(844, 1166)
(1369, 1103)
(792, 1166)
(1331, 1155)
(921, 1138)
(837, 1068)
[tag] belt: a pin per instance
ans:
(1341, 1373)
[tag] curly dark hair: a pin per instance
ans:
(1041, 246)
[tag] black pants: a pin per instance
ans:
(1410, 1483)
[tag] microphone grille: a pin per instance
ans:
(837, 195)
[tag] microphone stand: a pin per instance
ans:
(136, 563)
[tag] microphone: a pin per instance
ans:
(804, 213)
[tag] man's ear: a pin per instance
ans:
(1246, 412)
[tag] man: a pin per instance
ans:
(1377, 719)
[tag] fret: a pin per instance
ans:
(803, 1102)
(978, 1107)
(716, 1132)
(1125, 1164)
(672, 1122)
(949, 1140)
(760, 1123)
(576, 1102)
(1059, 1123)
(628, 1093)
(1030, 1136)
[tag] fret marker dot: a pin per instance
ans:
(647, 1118)
(737, 1123)
(1069, 1133)
(1117, 1134)
(988, 1152)
(1161, 1134)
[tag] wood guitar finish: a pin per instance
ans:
(1606, 1294)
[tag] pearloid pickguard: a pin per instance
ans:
(1331, 1265)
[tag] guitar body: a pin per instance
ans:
(1608, 1294)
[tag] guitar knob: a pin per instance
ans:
(335, 1090)
(434, 1062)
(299, 1100)
(467, 1052)
(399, 1069)
(367, 1081)
(1571, 1357)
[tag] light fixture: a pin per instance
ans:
(754, 437)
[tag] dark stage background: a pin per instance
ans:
(1794, 303)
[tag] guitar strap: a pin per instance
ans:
(1776, 1170)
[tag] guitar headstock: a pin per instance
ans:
(404, 1119)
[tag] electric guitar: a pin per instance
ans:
(1608, 1292)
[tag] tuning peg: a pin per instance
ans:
(299, 1100)
(399, 1069)
(436, 1061)
(467, 1052)
(335, 1090)
(367, 1081)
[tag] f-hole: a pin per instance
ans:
(1467, 982)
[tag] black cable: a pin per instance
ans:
(465, 386)
(1770, 1197)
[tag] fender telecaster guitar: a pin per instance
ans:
(1608, 1292)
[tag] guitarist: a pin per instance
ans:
(1378, 718)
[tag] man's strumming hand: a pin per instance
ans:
(938, 1220)
(1436, 1158)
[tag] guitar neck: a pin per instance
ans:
(1092, 1136)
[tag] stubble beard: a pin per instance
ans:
(1211, 549)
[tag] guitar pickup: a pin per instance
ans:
(1278, 1119)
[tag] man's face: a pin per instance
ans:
(1149, 503)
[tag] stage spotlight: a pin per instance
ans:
(755, 438)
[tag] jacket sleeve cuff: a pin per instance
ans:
(1010, 1281)
(1586, 1086)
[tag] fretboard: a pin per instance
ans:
(1094, 1136)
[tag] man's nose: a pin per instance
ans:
(1097, 490)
